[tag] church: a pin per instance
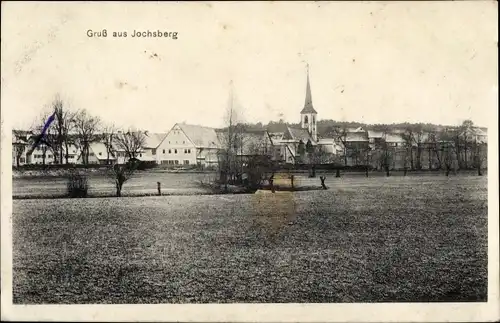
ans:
(290, 142)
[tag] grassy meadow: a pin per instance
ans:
(405, 239)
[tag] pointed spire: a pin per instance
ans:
(308, 106)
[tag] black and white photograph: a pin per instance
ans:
(250, 161)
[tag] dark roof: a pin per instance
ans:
(298, 134)
(356, 136)
(277, 127)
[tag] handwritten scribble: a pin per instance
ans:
(41, 138)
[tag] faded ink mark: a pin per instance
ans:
(153, 55)
(37, 45)
(125, 85)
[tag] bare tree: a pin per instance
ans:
(122, 173)
(414, 134)
(408, 142)
(19, 149)
(63, 126)
(257, 159)
(434, 146)
(131, 142)
(467, 142)
(449, 150)
(86, 127)
(108, 134)
(230, 139)
(385, 152)
(480, 154)
(340, 134)
(448, 156)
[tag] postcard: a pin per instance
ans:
(250, 161)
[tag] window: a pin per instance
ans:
(313, 119)
(164, 150)
(169, 141)
(22, 160)
(140, 155)
(100, 154)
(153, 151)
(306, 120)
(177, 162)
(189, 151)
(175, 151)
(91, 154)
(186, 162)
(169, 151)
(183, 142)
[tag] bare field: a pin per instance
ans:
(142, 183)
(407, 239)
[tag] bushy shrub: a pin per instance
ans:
(77, 185)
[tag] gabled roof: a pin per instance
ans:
(375, 134)
(392, 137)
(356, 136)
(277, 128)
(99, 147)
(298, 134)
(153, 140)
(200, 136)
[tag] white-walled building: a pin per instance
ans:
(98, 154)
(189, 145)
(151, 146)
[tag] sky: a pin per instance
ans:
(371, 62)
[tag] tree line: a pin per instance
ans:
(79, 128)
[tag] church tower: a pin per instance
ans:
(308, 114)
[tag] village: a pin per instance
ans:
(266, 160)
(186, 146)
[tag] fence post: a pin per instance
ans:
(291, 178)
(322, 178)
(271, 180)
(159, 188)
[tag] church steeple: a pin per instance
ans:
(308, 114)
(308, 105)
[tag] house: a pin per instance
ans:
(287, 141)
(98, 154)
(188, 144)
(152, 143)
(20, 147)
